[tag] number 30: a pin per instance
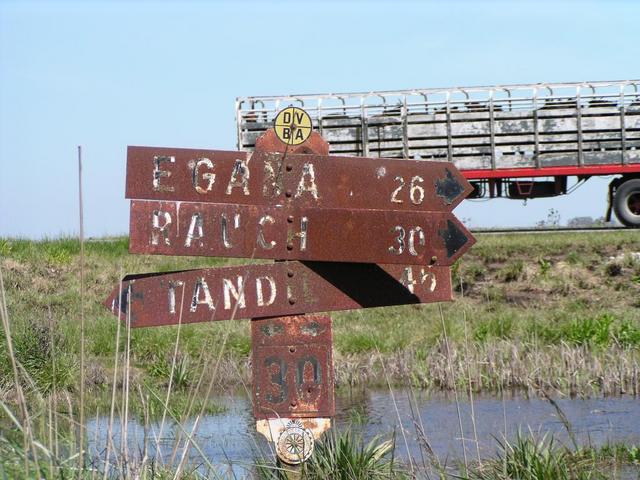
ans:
(411, 242)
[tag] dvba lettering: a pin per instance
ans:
(298, 134)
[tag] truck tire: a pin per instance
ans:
(626, 203)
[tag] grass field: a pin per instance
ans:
(531, 311)
(544, 313)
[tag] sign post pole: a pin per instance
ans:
(293, 400)
(293, 396)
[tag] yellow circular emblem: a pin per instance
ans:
(293, 125)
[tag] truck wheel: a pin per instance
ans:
(626, 203)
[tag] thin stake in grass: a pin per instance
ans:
(82, 353)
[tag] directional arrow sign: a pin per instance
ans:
(267, 290)
(261, 178)
(278, 232)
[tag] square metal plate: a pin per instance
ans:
(292, 367)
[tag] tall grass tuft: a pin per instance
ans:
(342, 455)
(531, 458)
(345, 456)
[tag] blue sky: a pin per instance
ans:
(107, 75)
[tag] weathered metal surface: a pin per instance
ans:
(277, 232)
(266, 290)
(518, 126)
(262, 178)
(292, 367)
(269, 142)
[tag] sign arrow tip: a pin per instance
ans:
(449, 188)
(118, 298)
(456, 239)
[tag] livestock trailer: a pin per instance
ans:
(515, 141)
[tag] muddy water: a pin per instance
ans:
(229, 438)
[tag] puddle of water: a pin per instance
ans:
(230, 439)
(594, 421)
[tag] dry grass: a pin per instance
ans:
(584, 341)
(525, 297)
(501, 365)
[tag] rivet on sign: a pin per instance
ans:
(289, 246)
(289, 167)
(292, 349)
(434, 259)
(294, 404)
(288, 193)
(292, 300)
(289, 273)
(290, 219)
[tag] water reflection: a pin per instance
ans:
(417, 418)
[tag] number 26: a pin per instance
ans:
(416, 190)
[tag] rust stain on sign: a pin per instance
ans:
(277, 232)
(282, 288)
(269, 178)
(269, 142)
(292, 367)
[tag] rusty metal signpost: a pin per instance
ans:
(346, 233)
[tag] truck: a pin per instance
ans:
(519, 141)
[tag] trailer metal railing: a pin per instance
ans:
(541, 125)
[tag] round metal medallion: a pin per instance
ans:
(295, 444)
(292, 125)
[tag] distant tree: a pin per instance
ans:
(552, 220)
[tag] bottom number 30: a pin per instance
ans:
(406, 240)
